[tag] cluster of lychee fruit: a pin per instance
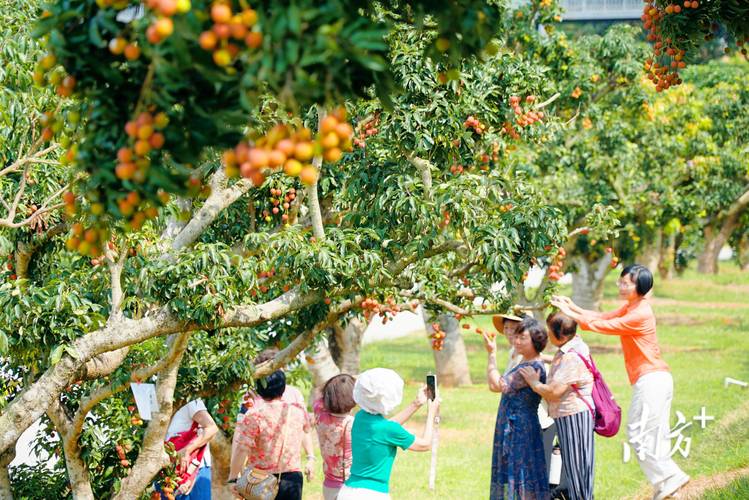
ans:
(555, 272)
(367, 129)
(163, 26)
(473, 123)
(144, 135)
(228, 26)
(437, 336)
(281, 203)
(371, 306)
(525, 117)
(291, 150)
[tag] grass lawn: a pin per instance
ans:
(703, 329)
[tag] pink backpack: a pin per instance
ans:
(607, 415)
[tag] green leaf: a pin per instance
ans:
(56, 354)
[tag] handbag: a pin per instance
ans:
(256, 484)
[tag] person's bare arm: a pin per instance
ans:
(309, 467)
(238, 459)
(402, 416)
(424, 443)
(206, 423)
(493, 377)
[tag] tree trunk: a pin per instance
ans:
(321, 364)
(347, 343)
(220, 462)
(451, 362)
(152, 457)
(667, 258)
(742, 252)
(715, 239)
(650, 254)
(587, 281)
(338, 353)
(6, 492)
(79, 480)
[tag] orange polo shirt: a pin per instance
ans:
(634, 323)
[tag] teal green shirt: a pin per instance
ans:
(374, 440)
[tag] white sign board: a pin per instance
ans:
(145, 399)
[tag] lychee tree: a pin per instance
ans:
(707, 127)
(187, 291)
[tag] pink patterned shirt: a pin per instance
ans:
(261, 433)
(334, 447)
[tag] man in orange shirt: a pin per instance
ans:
(652, 383)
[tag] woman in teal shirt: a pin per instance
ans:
(375, 439)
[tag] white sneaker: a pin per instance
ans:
(670, 486)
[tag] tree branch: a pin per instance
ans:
(152, 456)
(80, 481)
(450, 246)
(424, 167)
(314, 202)
(738, 206)
(548, 101)
(116, 264)
(302, 341)
(219, 199)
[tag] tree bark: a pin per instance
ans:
(152, 456)
(220, 462)
(338, 353)
(219, 199)
(348, 343)
(321, 364)
(742, 252)
(587, 281)
(6, 492)
(78, 478)
(650, 254)
(715, 239)
(451, 362)
(717, 233)
(667, 258)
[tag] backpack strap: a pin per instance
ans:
(595, 374)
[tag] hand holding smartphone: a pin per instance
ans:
(431, 387)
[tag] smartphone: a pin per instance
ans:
(431, 386)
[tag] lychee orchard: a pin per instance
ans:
(216, 215)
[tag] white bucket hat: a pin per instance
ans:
(378, 391)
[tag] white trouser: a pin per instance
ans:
(648, 425)
(348, 493)
(330, 493)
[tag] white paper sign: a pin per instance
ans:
(145, 399)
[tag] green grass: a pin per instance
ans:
(737, 489)
(703, 326)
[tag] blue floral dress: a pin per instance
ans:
(518, 464)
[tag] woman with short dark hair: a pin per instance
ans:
(333, 423)
(270, 435)
(518, 462)
(652, 383)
